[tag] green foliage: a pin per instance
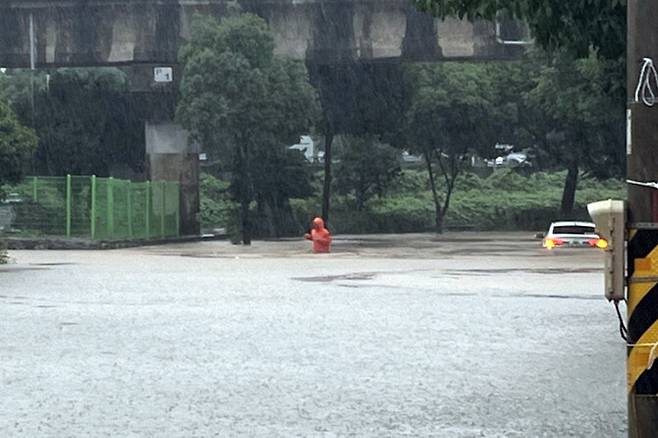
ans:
(282, 174)
(357, 99)
(452, 112)
(4, 257)
(45, 217)
(84, 117)
(505, 200)
(87, 123)
(452, 108)
(568, 111)
(16, 146)
(235, 91)
(360, 98)
(410, 181)
(509, 201)
(218, 210)
(367, 168)
(16, 87)
(578, 111)
(575, 24)
(243, 103)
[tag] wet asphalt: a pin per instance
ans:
(468, 335)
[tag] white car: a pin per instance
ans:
(573, 235)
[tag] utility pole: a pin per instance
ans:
(33, 61)
(642, 227)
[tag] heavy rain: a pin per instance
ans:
(325, 218)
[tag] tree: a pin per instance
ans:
(241, 101)
(282, 174)
(17, 144)
(580, 119)
(357, 99)
(19, 88)
(452, 113)
(366, 168)
(581, 90)
(84, 117)
(576, 25)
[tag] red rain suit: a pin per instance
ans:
(320, 236)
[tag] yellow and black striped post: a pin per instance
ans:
(642, 267)
(643, 331)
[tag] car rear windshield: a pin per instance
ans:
(573, 229)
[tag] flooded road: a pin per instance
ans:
(464, 336)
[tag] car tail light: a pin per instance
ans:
(599, 243)
(552, 243)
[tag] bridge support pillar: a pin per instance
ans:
(171, 156)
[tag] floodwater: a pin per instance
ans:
(470, 335)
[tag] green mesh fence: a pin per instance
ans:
(91, 207)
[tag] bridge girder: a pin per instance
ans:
(70, 33)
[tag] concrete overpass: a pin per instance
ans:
(119, 32)
(142, 35)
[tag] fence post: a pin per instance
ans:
(110, 208)
(177, 186)
(68, 206)
(148, 210)
(163, 187)
(34, 189)
(130, 211)
(93, 207)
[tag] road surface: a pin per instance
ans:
(470, 335)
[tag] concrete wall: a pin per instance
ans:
(104, 32)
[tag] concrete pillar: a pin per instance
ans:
(171, 156)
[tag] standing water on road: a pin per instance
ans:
(388, 336)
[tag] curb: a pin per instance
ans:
(17, 243)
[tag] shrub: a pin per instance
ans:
(4, 257)
(217, 209)
(506, 200)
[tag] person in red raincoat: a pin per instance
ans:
(320, 236)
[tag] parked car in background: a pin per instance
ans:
(573, 235)
(515, 159)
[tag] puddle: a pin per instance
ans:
(547, 271)
(553, 296)
(10, 268)
(357, 276)
(217, 256)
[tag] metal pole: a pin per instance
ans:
(93, 208)
(110, 208)
(642, 270)
(68, 205)
(177, 186)
(33, 62)
(163, 186)
(34, 189)
(33, 57)
(148, 209)
(130, 211)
